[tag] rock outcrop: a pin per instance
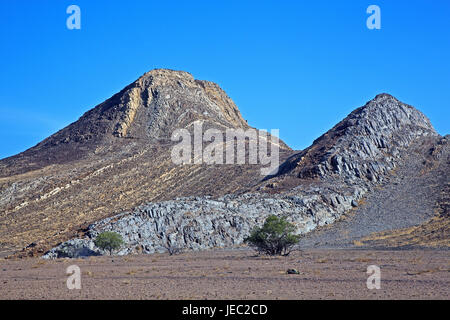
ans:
(366, 145)
(199, 223)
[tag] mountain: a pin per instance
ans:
(390, 152)
(115, 157)
(364, 146)
(146, 112)
(380, 169)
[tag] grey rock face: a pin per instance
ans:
(75, 248)
(410, 197)
(199, 223)
(365, 146)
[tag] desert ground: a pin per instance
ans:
(234, 274)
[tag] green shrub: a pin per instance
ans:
(275, 237)
(109, 240)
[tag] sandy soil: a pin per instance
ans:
(234, 274)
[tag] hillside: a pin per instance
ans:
(126, 182)
(115, 157)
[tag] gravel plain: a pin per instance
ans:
(234, 274)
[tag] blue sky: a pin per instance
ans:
(299, 66)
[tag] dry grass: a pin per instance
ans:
(131, 272)
(358, 243)
(433, 233)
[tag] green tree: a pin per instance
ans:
(109, 240)
(275, 237)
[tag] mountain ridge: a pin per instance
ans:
(116, 160)
(115, 157)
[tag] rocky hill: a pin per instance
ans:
(116, 157)
(381, 169)
(365, 146)
(147, 111)
(353, 170)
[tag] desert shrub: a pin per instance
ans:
(275, 237)
(109, 241)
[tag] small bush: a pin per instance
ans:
(275, 237)
(109, 240)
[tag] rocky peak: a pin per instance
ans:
(152, 107)
(147, 112)
(365, 145)
(389, 113)
(163, 100)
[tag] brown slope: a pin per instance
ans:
(148, 109)
(117, 156)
